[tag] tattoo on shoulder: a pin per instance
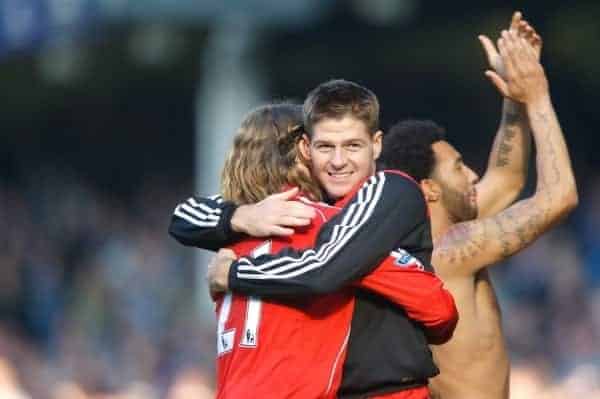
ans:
(462, 242)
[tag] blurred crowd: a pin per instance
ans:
(96, 301)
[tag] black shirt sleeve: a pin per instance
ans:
(204, 222)
(387, 212)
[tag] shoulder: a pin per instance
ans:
(400, 174)
(400, 186)
(463, 247)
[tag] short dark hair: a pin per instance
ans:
(338, 98)
(407, 147)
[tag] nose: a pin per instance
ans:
(473, 177)
(338, 160)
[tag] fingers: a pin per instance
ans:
(291, 221)
(226, 253)
(488, 47)
(283, 204)
(504, 44)
(498, 82)
(298, 210)
(516, 19)
(286, 195)
(537, 40)
(528, 32)
(523, 54)
(281, 231)
(518, 54)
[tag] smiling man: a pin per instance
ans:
(341, 144)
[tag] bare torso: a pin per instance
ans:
(474, 363)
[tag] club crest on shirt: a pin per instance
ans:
(404, 259)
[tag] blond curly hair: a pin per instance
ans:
(264, 158)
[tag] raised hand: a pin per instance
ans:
(523, 29)
(526, 31)
(525, 80)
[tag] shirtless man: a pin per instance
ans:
(474, 364)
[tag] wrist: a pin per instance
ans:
(237, 222)
(538, 102)
(512, 111)
(230, 276)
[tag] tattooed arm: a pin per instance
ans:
(506, 172)
(473, 245)
(509, 159)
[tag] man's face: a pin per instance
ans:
(342, 153)
(457, 182)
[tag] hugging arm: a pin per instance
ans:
(388, 211)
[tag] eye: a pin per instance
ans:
(354, 146)
(323, 147)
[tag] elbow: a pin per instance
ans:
(518, 188)
(321, 285)
(559, 203)
(181, 238)
(173, 231)
(443, 329)
(571, 200)
(512, 188)
(443, 332)
(450, 322)
(323, 288)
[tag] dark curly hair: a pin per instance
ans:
(407, 147)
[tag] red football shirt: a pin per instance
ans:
(282, 350)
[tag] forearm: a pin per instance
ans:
(508, 162)
(511, 148)
(556, 182)
(204, 223)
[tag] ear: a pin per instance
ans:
(377, 144)
(431, 190)
(304, 147)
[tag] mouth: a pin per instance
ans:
(473, 197)
(339, 175)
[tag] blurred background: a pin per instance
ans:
(112, 111)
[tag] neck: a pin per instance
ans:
(440, 221)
